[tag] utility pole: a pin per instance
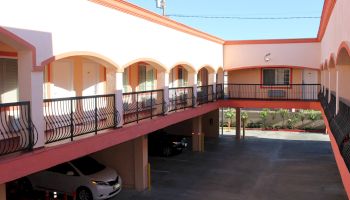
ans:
(162, 5)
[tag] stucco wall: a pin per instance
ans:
(253, 76)
(87, 26)
(253, 55)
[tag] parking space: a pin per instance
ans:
(266, 165)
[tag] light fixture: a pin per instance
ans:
(267, 57)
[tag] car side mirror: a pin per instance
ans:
(70, 173)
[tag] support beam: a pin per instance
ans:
(197, 135)
(3, 191)
(141, 162)
(238, 123)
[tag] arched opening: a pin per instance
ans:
(343, 67)
(179, 76)
(180, 88)
(202, 77)
(143, 94)
(205, 89)
(79, 92)
(143, 76)
(76, 76)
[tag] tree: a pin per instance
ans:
(284, 114)
(229, 114)
(263, 115)
(244, 118)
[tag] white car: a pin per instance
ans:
(85, 177)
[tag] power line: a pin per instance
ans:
(243, 18)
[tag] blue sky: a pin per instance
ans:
(234, 29)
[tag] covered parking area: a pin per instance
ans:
(266, 165)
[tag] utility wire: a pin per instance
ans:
(243, 18)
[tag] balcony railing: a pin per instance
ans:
(219, 91)
(180, 98)
(339, 123)
(67, 118)
(304, 92)
(17, 132)
(142, 105)
(205, 94)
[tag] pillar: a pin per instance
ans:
(30, 88)
(130, 160)
(3, 191)
(36, 101)
(337, 93)
(324, 85)
(197, 135)
(212, 81)
(119, 97)
(238, 123)
(163, 84)
(141, 162)
(192, 81)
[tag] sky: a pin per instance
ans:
(245, 29)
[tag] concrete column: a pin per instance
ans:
(197, 135)
(36, 101)
(337, 93)
(192, 81)
(130, 160)
(141, 162)
(119, 97)
(329, 86)
(3, 191)
(163, 83)
(238, 123)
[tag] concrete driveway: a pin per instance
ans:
(266, 165)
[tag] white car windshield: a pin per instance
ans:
(87, 165)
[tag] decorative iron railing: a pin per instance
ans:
(180, 98)
(17, 132)
(67, 118)
(143, 105)
(219, 91)
(205, 94)
(304, 92)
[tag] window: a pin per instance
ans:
(146, 77)
(8, 80)
(63, 168)
(276, 76)
(126, 83)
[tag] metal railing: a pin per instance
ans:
(67, 118)
(17, 132)
(205, 94)
(180, 98)
(143, 105)
(304, 92)
(219, 91)
(339, 123)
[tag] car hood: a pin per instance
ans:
(105, 175)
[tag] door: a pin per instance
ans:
(90, 78)
(62, 79)
(310, 91)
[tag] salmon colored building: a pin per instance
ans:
(100, 77)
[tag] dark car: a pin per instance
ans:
(161, 143)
